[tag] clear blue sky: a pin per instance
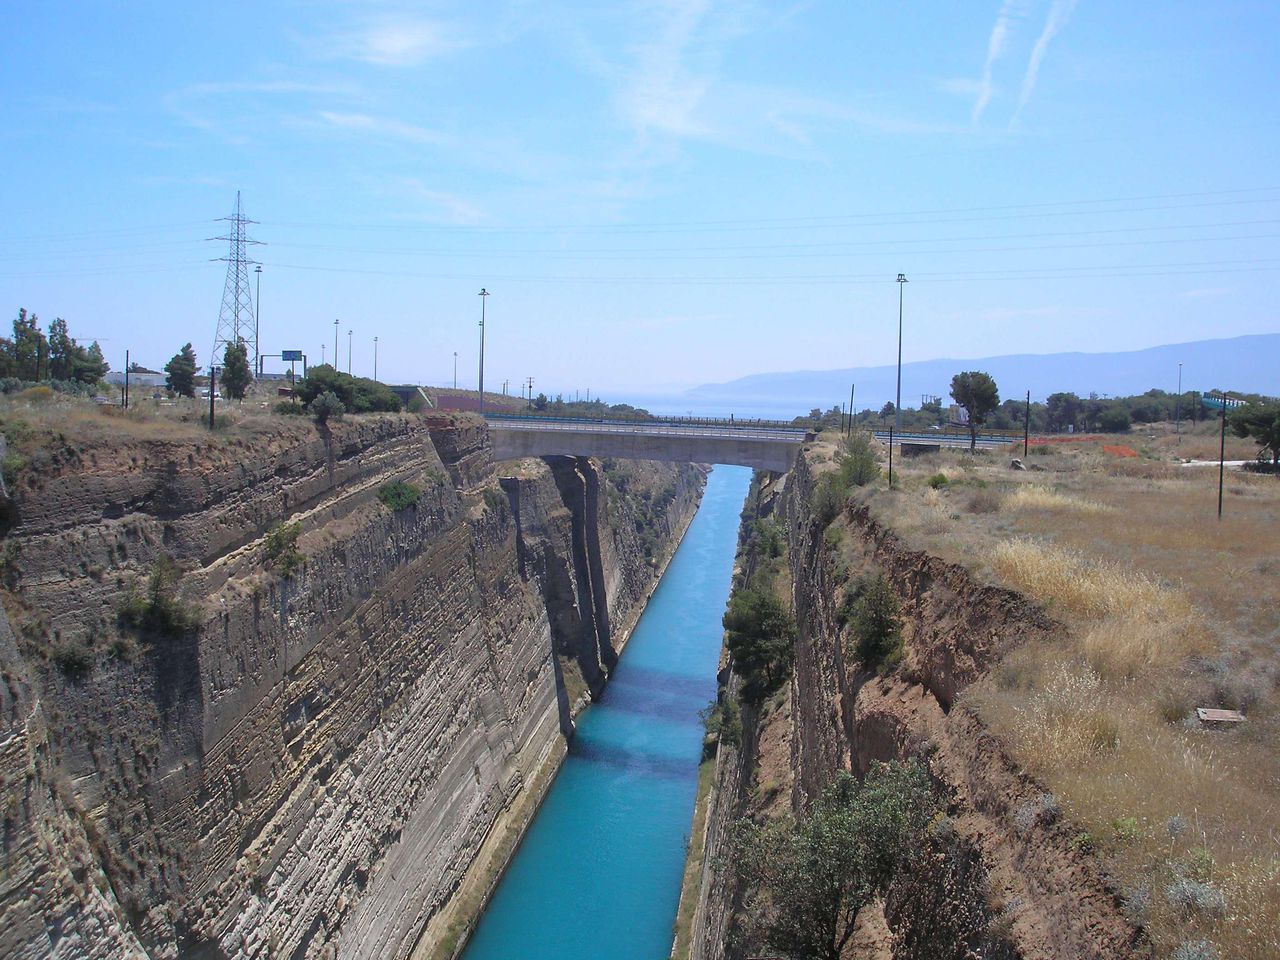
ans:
(656, 194)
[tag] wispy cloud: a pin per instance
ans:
(662, 93)
(218, 107)
(1010, 11)
(436, 206)
(391, 41)
(388, 127)
(1059, 13)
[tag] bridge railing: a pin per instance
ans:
(754, 425)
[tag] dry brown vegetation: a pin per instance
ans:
(1164, 609)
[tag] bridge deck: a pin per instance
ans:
(764, 446)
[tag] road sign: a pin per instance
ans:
(288, 355)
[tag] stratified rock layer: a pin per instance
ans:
(314, 771)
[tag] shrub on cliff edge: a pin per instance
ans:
(875, 617)
(327, 406)
(808, 879)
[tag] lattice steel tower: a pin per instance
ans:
(236, 318)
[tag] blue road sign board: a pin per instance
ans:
(287, 355)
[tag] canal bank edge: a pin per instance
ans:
(446, 936)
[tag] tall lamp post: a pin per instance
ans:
(257, 312)
(323, 348)
(455, 369)
(897, 403)
(335, 345)
(484, 295)
(349, 332)
(375, 358)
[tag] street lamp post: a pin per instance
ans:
(455, 369)
(323, 348)
(897, 403)
(375, 358)
(257, 311)
(335, 345)
(349, 332)
(484, 295)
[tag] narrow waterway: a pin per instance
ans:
(599, 873)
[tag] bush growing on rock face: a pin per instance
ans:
(808, 879)
(75, 660)
(872, 610)
(399, 495)
(160, 611)
(761, 637)
(282, 547)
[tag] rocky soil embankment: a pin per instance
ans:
(301, 751)
(1048, 895)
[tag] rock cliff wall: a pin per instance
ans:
(1054, 900)
(314, 771)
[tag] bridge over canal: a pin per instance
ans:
(762, 445)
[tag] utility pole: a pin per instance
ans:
(323, 347)
(375, 358)
(1177, 407)
(455, 369)
(257, 319)
(336, 360)
(349, 333)
(1222, 455)
(484, 295)
(213, 391)
(1026, 427)
(851, 386)
(126, 380)
(897, 405)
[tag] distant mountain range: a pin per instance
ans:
(1249, 363)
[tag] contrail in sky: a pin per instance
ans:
(1059, 14)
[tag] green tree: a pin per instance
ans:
(977, 393)
(1262, 422)
(91, 366)
(1114, 419)
(875, 616)
(236, 375)
(181, 370)
(61, 350)
(809, 878)
(326, 406)
(358, 394)
(761, 639)
(29, 346)
(1062, 410)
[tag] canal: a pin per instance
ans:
(599, 872)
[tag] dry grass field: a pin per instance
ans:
(1166, 609)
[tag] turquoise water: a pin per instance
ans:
(598, 875)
